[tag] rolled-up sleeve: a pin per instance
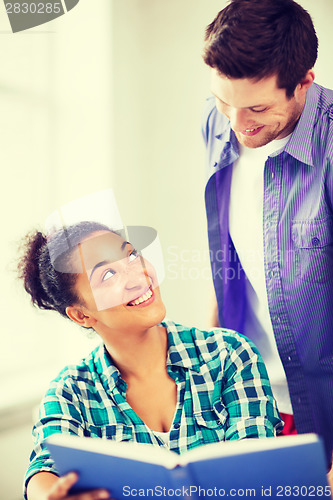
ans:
(247, 394)
(58, 413)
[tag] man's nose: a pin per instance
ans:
(239, 119)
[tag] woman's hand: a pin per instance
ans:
(61, 487)
(47, 486)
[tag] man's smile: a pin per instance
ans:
(252, 131)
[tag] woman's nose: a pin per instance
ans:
(136, 277)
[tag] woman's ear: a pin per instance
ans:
(81, 318)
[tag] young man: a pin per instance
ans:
(269, 199)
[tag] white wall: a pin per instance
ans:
(55, 145)
(160, 85)
(321, 12)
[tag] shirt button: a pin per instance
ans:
(272, 175)
(315, 241)
(176, 426)
(289, 358)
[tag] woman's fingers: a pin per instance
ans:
(91, 495)
(60, 489)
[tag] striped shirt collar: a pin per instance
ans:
(300, 144)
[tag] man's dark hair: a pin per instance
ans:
(260, 38)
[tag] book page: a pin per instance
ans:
(229, 448)
(133, 451)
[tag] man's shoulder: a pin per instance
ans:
(323, 125)
(324, 104)
(312, 138)
(325, 96)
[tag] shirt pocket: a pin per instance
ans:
(212, 424)
(117, 432)
(314, 250)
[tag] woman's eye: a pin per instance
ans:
(133, 255)
(108, 275)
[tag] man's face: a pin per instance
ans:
(259, 112)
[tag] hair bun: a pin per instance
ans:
(33, 245)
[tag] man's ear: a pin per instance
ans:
(305, 83)
(80, 317)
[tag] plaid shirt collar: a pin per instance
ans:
(109, 374)
(181, 353)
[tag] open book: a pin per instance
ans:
(282, 467)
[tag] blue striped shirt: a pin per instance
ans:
(298, 246)
(223, 393)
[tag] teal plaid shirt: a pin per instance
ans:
(223, 392)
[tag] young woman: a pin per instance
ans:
(150, 380)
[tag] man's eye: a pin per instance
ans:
(108, 275)
(258, 110)
(133, 255)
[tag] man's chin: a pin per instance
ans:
(255, 141)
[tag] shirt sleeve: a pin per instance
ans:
(58, 412)
(247, 394)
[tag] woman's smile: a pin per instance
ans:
(143, 300)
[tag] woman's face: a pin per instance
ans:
(117, 285)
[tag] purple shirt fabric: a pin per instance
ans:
(298, 247)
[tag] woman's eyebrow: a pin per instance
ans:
(99, 264)
(124, 243)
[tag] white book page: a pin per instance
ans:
(229, 448)
(134, 451)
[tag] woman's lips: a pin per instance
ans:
(144, 300)
(252, 131)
